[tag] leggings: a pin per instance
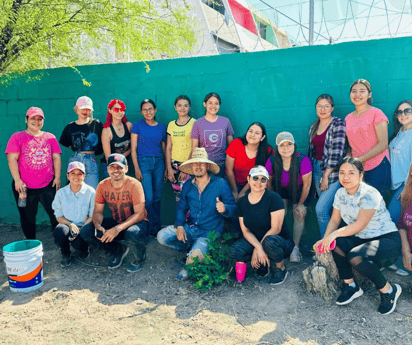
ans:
(28, 214)
(367, 256)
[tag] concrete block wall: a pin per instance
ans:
(277, 88)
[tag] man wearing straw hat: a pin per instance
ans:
(208, 198)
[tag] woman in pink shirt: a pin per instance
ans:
(35, 164)
(367, 132)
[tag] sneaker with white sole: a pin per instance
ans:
(348, 294)
(295, 256)
(388, 300)
(392, 267)
(118, 256)
(402, 273)
(279, 276)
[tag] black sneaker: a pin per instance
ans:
(348, 294)
(263, 271)
(120, 254)
(135, 266)
(84, 255)
(66, 260)
(388, 300)
(279, 276)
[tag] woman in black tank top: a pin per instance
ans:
(116, 132)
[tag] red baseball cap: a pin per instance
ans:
(34, 111)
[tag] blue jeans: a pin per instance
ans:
(380, 177)
(137, 234)
(92, 168)
(395, 207)
(61, 237)
(196, 239)
(324, 206)
(153, 169)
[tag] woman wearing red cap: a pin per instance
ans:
(35, 164)
(116, 133)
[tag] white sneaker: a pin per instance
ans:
(401, 272)
(392, 267)
(295, 256)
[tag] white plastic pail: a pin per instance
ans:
(24, 265)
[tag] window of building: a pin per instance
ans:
(262, 30)
(217, 5)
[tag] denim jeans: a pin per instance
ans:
(92, 168)
(395, 208)
(196, 239)
(136, 234)
(380, 177)
(275, 247)
(61, 237)
(28, 214)
(324, 206)
(153, 169)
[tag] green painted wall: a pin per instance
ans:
(278, 88)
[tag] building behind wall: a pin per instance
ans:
(233, 26)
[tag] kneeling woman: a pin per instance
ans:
(369, 242)
(261, 215)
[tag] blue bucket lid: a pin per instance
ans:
(20, 246)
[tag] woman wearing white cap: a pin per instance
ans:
(83, 136)
(291, 176)
(266, 241)
(35, 164)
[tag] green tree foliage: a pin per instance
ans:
(36, 34)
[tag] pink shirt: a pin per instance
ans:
(362, 135)
(35, 161)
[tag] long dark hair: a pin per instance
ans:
(317, 121)
(366, 84)
(263, 149)
(183, 97)
(293, 174)
(396, 124)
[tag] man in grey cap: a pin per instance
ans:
(125, 198)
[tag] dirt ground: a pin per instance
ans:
(89, 304)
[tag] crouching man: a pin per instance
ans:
(125, 198)
(208, 199)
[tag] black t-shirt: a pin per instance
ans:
(86, 137)
(256, 217)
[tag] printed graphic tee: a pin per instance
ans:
(121, 200)
(181, 141)
(213, 136)
(86, 137)
(36, 157)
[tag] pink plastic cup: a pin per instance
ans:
(332, 247)
(240, 271)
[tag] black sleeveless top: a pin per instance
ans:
(117, 144)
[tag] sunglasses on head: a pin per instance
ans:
(117, 110)
(407, 111)
(262, 179)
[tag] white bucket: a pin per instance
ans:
(24, 265)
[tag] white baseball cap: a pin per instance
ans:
(84, 102)
(259, 170)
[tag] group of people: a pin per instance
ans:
(245, 180)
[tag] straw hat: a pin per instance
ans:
(199, 156)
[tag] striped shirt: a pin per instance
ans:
(334, 149)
